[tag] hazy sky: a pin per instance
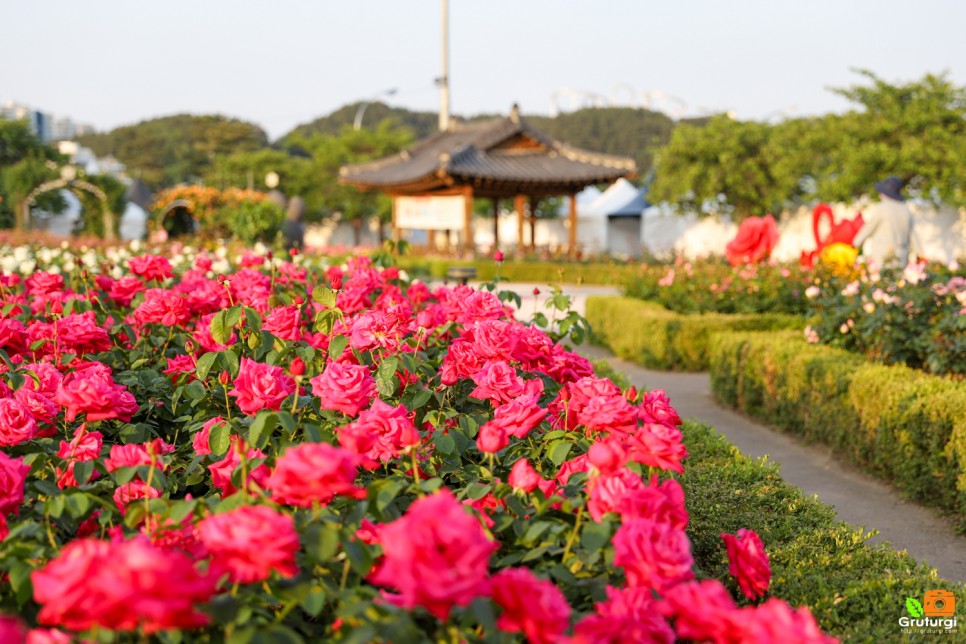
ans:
(286, 62)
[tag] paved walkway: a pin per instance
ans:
(857, 498)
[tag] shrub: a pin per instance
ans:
(648, 334)
(856, 590)
(900, 424)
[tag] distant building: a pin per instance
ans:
(46, 126)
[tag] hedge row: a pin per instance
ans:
(600, 273)
(897, 423)
(856, 590)
(648, 334)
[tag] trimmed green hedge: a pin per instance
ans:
(600, 273)
(900, 424)
(648, 334)
(856, 590)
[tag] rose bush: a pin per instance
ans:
(705, 286)
(276, 451)
(914, 316)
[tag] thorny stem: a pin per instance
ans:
(573, 535)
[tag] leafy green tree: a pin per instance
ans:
(729, 164)
(92, 214)
(25, 163)
(915, 130)
(328, 153)
(177, 149)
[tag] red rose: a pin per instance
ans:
(314, 473)
(120, 586)
(524, 477)
(748, 562)
(285, 323)
(260, 386)
(13, 475)
(436, 556)
(151, 267)
(653, 555)
(344, 387)
(530, 605)
(250, 543)
(17, 424)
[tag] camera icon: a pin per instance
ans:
(939, 603)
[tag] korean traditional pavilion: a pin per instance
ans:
(496, 159)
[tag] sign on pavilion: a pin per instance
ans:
(433, 183)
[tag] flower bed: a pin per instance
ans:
(279, 453)
(915, 317)
(710, 286)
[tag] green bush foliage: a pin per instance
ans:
(900, 424)
(251, 221)
(603, 273)
(856, 590)
(648, 334)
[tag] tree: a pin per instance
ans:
(916, 131)
(329, 153)
(728, 165)
(177, 149)
(25, 163)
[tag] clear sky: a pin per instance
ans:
(286, 62)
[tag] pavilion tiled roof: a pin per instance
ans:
(500, 156)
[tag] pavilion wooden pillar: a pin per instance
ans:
(520, 205)
(394, 226)
(468, 245)
(572, 232)
(533, 222)
(496, 225)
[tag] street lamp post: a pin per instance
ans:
(357, 124)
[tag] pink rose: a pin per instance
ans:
(13, 336)
(653, 555)
(520, 415)
(658, 445)
(714, 622)
(776, 621)
(530, 605)
(607, 455)
(151, 267)
(12, 630)
(628, 615)
(222, 471)
(133, 491)
(491, 438)
(250, 542)
(460, 362)
(314, 473)
(381, 433)
(91, 390)
(435, 556)
(120, 586)
(524, 477)
(284, 322)
(17, 424)
(656, 408)
(497, 382)
(748, 562)
(135, 454)
(162, 306)
(39, 406)
(123, 290)
(13, 475)
(260, 386)
(348, 388)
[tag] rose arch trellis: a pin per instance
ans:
(77, 184)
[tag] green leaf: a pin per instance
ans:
(260, 426)
(314, 602)
(78, 504)
(83, 471)
(219, 438)
(558, 450)
(444, 444)
(914, 607)
(421, 397)
(595, 536)
(180, 509)
(205, 363)
(337, 344)
(324, 296)
(385, 376)
(220, 330)
(322, 541)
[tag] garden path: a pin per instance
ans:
(857, 498)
